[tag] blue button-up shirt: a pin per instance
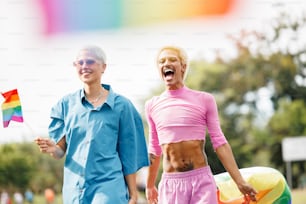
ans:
(103, 145)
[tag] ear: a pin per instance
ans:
(103, 68)
(184, 66)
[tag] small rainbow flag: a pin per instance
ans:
(11, 107)
(78, 15)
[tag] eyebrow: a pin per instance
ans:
(171, 58)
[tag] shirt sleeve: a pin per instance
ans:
(213, 125)
(57, 125)
(132, 147)
(154, 147)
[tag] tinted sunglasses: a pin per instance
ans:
(87, 61)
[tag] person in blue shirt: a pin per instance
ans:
(101, 135)
(29, 196)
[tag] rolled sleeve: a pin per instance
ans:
(132, 144)
(57, 125)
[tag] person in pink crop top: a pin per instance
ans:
(177, 121)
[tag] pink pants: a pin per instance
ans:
(192, 187)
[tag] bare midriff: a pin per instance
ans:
(184, 156)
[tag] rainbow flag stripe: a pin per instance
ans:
(11, 108)
(270, 184)
(71, 15)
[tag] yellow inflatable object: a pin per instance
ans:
(270, 184)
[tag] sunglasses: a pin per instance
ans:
(87, 61)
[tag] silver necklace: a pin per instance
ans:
(98, 98)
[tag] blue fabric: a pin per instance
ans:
(103, 145)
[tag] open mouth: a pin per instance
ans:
(168, 72)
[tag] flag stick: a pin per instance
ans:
(32, 132)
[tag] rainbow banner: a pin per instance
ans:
(77, 15)
(11, 108)
(270, 184)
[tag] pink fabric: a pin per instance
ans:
(192, 187)
(181, 115)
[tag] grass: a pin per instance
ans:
(40, 199)
(298, 196)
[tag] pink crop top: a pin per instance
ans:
(181, 115)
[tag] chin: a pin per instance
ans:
(168, 84)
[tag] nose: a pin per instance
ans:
(84, 65)
(167, 62)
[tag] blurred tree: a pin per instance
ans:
(16, 169)
(23, 167)
(288, 120)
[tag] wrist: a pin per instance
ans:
(57, 153)
(133, 198)
(133, 194)
(241, 183)
(150, 185)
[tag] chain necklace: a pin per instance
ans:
(97, 99)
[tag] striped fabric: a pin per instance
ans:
(11, 108)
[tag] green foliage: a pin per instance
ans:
(22, 166)
(16, 169)
(288, 120)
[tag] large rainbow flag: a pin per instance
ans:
(11, 108)
(77, 15)
(270, 184)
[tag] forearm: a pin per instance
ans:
(226, 156)
(60, 149)
(153, 170)
(58, 152)
(132, 187)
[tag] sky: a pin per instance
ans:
(40, 66)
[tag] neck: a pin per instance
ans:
(94, 94)
(93, 90)
(174, 87)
